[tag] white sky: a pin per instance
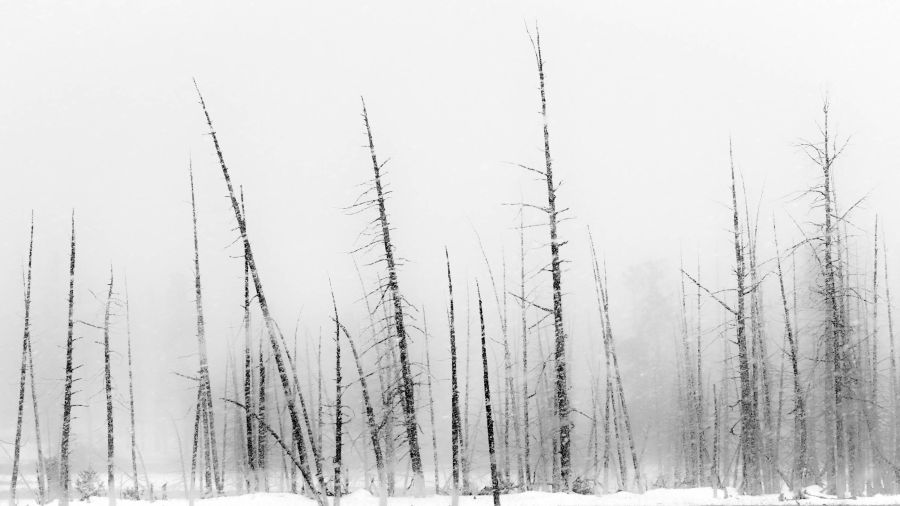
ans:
(97, 113)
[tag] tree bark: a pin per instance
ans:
(495, 478)
(67, 391)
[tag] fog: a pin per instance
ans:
(99, 115)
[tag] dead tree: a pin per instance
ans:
(824, 155)
(261, 443)
(198, 407)
(615, 391)
(801, 459)
(895, 406)
(208, 417)
(131, 393)
(26, 338)
(750, 437)
(407, 396)
(107, 381)
(454, 393)
(525, 415)
(41, 467)
(370, 421)
(67, 389)
(495, 478)
(434, 453)
(338, 406)
(750, 431)
(561, 382)
(464, 430)
(264, 307)
(249, 420)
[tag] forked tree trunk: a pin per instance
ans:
(750, 432)
(26, 337)
(264, 307)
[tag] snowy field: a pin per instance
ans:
(695, 496)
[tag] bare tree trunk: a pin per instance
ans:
(701, 438)
(209, 427)
(264, 307)
(495, 478)
(836, 461)
(875, 432)
(525, 415)
(454, 393)
(614, 382)
(107, 376)
(370, 421)
(895, 406)
(561, 387)
(434, 452)
(67, 395)
(26, 338)
(134, 470)
(320, 403)
(262, 443)
(407, 397)
(316, 450)
(338, 406)
(464, 433)
(801, 458)
(249, 420)
(750, 433)
(196, 440)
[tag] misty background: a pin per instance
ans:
(98, 114)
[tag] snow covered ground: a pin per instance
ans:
(673, 497)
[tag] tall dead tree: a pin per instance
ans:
(894, 404)
(526, 429)
(207, 414)
(407, 397)
(107, 382)
(454, 393)
(434, 452)
(615, 391)
(26, 338)
(824, 155)
(41, 464)
(271, 330)
(338, 406)
(750, 431)
(561, 381)
(370, 421)
(249, 403)
(134, 469)
(495, 478)
(262, 447)
(750, 437)
(67, 389)
(801, 469)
